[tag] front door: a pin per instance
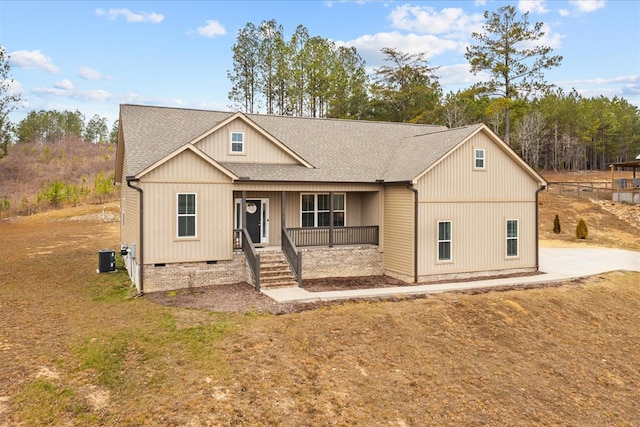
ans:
(257, 219)
(254, 216)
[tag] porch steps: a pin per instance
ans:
(275, 271)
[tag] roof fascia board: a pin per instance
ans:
(496, 139)
(444, 156)
(243, 117)
(119, 150)
(196, 151)
(511, 153)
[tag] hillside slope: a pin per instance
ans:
(36, 177)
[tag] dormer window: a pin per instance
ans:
(237, 142)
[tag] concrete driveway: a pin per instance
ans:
(558, 264)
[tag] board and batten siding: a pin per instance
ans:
(398, 230)
(187, 173)
(455, 179)
(257, 148)
(478, 203)
(478, 240)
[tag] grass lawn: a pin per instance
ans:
(78, 349)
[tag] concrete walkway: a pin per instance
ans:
(558, 264)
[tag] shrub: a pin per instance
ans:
(556, 225)
(581, 229)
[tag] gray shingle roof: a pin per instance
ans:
(339, 150)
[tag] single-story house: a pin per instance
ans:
(212, 197)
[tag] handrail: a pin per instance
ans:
(293, 255)
(326, 236)
(253, 257)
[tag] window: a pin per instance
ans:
(512, 238)
(237, 142)
(186, 215)
(444, 240)
(316, 210)
(479, 158)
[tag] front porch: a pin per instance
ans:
(313, 224)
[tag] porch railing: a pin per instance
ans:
(253, 257)
(293, 255)
(327, 236)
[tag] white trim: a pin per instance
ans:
(449, 241)
(243, 117)
(232, 152)
(507, 238)
(187, 215)
(264, 221)
(193, 149)
(476, 158)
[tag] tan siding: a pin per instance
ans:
(257, 148)
(187, 173)
(129, 216)
(214, 223)
(370, 210)
(455, 179)
(478, 202)
(398, 230)
(478, 236)
(362, 208)
(187, 166)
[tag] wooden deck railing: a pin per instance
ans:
(327, 236)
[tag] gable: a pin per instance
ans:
(455, 177)
(187, 165)
(258, 146)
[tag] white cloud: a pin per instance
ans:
(564, 12)
(211, 29)
(65, 89)
(551, 39)
(588, 5)
(90, 74)
(427, 20)
(633, 79)
(627, 87)
(535, 6)
(32, 59)
(457, 75)
(12, 87)
(154, 18)
(64, 85)
(369, 45)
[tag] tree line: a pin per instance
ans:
(54, 126)
(311, 76)
(551, 129)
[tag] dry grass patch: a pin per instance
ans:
(77, 349)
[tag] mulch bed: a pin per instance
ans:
(242, 297)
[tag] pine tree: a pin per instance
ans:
(556, 225)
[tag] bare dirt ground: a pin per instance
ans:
(78, 349)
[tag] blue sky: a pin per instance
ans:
(94, 55)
